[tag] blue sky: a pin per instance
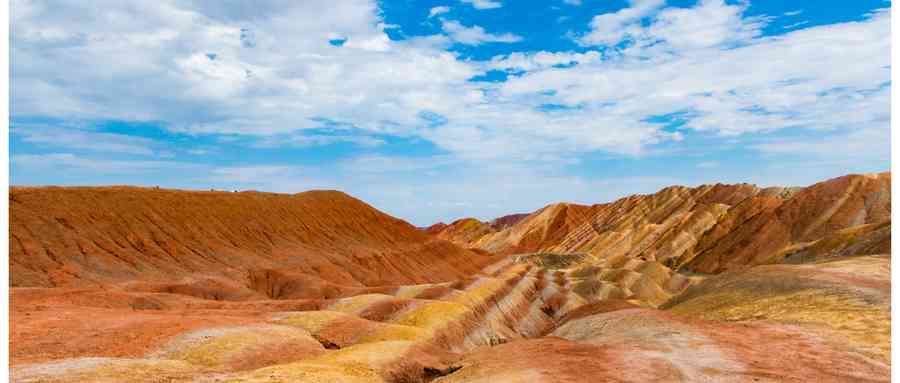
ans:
(437, 110)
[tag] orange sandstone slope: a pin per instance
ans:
(709, 228)
(89, 236)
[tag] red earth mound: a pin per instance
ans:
(325, 240)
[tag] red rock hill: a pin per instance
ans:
(88, 236)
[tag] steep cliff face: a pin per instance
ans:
(92, 236)
(710, 228)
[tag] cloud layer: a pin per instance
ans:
(647, 77)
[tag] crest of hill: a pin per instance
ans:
(88, 236)
(709, 228)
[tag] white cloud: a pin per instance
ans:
(290, 77)
(795, 25)
(250, 174)
(304, 140)
(541, 60)
(65, 162)
(483, 4)
(611, 28)
(793, 13)
(763, 85)
(272, 178)
(395, 164)
(157, 69)
(474, 35)
(710, 23)
(78, 138)
(572, 2)
(868, 144)
(199, 151)
(437, 11)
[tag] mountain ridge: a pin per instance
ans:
(709, 222)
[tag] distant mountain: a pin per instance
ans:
(709, 228)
